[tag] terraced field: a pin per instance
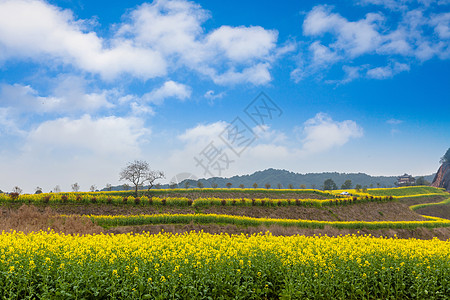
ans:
(227, 243)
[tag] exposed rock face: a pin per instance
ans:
(442, 178)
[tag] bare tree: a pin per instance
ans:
(139, 172)
(75, 187)
(92, 188)
(38, 190)
(152, 176)
(57, 189)
(17, 190)
(108, 186)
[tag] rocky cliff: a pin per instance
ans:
(442, 178)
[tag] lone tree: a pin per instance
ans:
(17, 190)
(139, 172)
(446, 157)
(75, 187)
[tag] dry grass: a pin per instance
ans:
(29, 218)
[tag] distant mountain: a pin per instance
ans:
(283, 177)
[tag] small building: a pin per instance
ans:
(405, 179)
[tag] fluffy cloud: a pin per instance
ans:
(353, 38)
(170, 89)
(37, 30)
(322, 133)
(153, 40)
(102, 136)
(68, 95)
(420, 34)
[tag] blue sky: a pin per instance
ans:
(220, 88)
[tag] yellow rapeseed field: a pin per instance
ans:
(206, 266)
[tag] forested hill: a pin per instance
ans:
(311, 180)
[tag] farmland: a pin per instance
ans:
(226, 243)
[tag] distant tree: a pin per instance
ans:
(38, 190)
(75, 187)
(241, 186)
(267, 185)
(152, 176)
(17, 190)
(126, 186)
(158, 186)
(422, 181)
(279, 186)
(290, 186)
(57, 189)
(313, 186)
(329, 184)
(378, 185)
(214, 185)
(229, 184)
(303, 186)
(358, 187)
(255, 185)
(347, 185)
(108, 187)
(93, 188)
(446, 157)
(364, 190)
(371, 185)
(200, 184)
(172, 185)
(138, 172)
(186, 184)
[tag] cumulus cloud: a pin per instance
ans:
(419, 34)
(170, 89)
(154, 39)
(228, 55)
(322, 133)
(37, 30)
(101, 136)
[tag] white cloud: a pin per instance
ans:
(441, 23)
(203, 132)
(35, 29)
(418, 34)
(102, 136)
(322, 55)
(241, 44)
(387, 71)
(170, 89)
(68, 95)
(175, 29)
(211, 95)
(153, 39)
(322, 133)
(353, 38)
(258, 74)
